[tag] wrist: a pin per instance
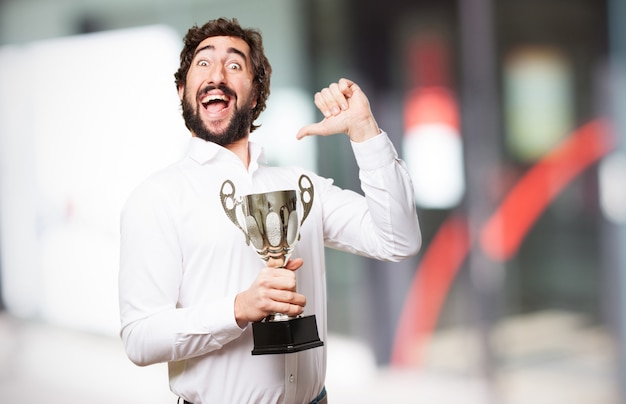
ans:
(364, 131)
(239, 311)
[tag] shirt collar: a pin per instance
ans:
(202, 152)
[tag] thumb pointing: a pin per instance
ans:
(308, 130)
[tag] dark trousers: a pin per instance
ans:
(321, 399)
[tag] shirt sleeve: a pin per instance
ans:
(154, 329)
(383, 224)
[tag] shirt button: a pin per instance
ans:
(291, 378)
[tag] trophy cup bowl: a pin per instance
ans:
(271, 222)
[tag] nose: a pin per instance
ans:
(216, 74)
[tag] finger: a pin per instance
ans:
(323, 128)
(275, 262)
(338, 97)
(347, 87)
(320, 103)
(294, 264)
(291, 304)
(284, 279)
(276, 278)
(281, 301)
(303, 132)
(309, 130)
(335, 99)
(330, 99)
(292, 310)
(289, 297)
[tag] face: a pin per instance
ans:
(218, 96)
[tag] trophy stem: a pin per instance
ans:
(278, 317)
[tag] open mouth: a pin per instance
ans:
(215, 103)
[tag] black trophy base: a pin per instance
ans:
(288, 336)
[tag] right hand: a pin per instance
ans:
(273, 291)
(346, 110)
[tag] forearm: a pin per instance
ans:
(179, 333)
(389, 195)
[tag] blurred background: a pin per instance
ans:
(510, 114)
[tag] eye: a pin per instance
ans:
(203, 63)
(233, 66)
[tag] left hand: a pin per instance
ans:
(273, 291)
(346, 110)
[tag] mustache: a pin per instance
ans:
(222, 87)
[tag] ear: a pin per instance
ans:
(181, 91)
(256, 94)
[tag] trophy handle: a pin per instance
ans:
(306, 195)
(229, 203)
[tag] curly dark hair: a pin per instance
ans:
(230, 27)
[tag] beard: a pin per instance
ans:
(237, 129)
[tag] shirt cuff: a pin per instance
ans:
(374, 153)
(219, 320)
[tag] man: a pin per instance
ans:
(189, 285)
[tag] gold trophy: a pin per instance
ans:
(271, 222)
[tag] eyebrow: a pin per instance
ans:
(229, 50)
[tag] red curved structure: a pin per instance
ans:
(500, 237)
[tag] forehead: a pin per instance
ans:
(224, 44)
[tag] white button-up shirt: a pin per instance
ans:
(183, 262)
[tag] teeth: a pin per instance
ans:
(215, 97)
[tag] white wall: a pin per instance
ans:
(83, 120)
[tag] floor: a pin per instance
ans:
(46, 364)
